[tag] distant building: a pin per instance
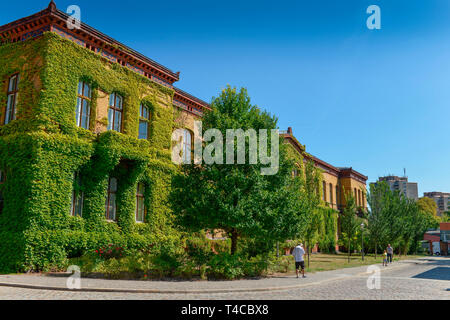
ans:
(409, 189)
(442, 200)
(438, 241)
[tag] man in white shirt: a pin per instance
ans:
(298, 253)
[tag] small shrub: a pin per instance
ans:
(225, 266)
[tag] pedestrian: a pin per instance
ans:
(390, 253)
(298, 254)
(385, 258)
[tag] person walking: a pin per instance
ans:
(298, 254)
(390, 253)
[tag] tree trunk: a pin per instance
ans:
(376, 245)
(348, 250)
(234, 238)
(308, 253)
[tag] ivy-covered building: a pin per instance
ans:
(85, 138)
(335, 183)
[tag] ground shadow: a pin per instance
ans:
(438, 273)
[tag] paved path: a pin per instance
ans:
(419, 279)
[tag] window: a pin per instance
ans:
(83, 105)
(2, 181)
(77, 196)
(111, 200)
(140, 203)
(356, 197)
(144, 114)
(324, 185)
(187, 146)
(115, 112)
(295, 171)
(359, 197)
(331, 195)
(13, 92)
(337, 196)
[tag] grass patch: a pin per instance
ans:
(326, 262)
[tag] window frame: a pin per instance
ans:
(331, 194)
(185, 145)
(143, 119)
(14, 93)
(115, 109)
(108, 200)
(82, 97)
(140, 195)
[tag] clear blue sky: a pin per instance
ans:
(374, 100)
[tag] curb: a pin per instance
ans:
(203, 291)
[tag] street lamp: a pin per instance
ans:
(362, 241)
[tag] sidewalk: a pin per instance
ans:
(273, 283)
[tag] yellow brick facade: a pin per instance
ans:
(336, 182)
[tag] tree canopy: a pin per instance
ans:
(237, 198)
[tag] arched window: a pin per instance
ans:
(111, 200)
(115, 112)
(324, 185)
(83, 111)
(187, 146)
(140, 203)
(13, 92)
(356, 196)
(144, 121)
(77, 196)
(2, 181)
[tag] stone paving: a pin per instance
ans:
(420, 279)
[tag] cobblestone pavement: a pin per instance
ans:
(423, 279)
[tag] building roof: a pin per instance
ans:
(53, 19)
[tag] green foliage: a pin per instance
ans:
(350, 223)
(427, 205)
(396, 220)
(109, 252)
(328, 230)
(237, 198)
(43, 148)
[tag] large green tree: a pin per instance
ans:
(395, 219)
(350, 222)
(376, 218)
(237, 198)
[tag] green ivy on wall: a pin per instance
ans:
(43, 148)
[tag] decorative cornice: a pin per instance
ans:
(52, 19)
(328, 168)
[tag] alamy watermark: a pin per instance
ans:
(74, 20)
(209, 147)
(74, 281)
(374, 279)
(374, 20)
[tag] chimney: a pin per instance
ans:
(289, 131)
